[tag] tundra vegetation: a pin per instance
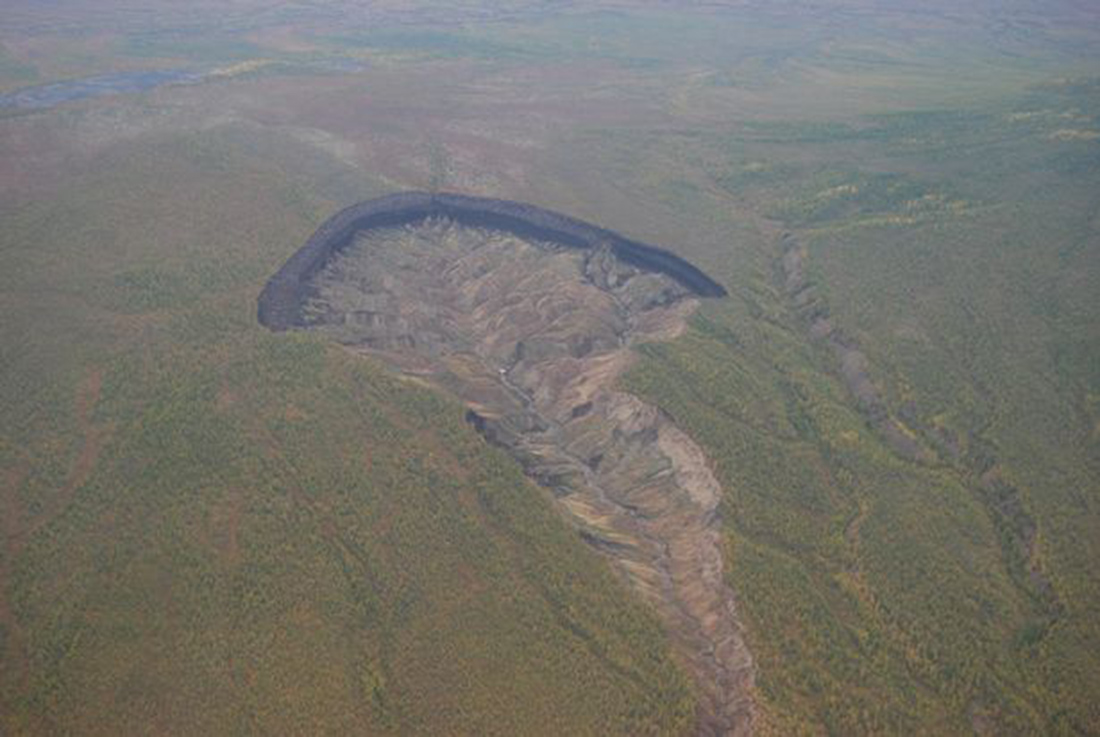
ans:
(210, 528)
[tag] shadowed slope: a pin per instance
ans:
(281, 301)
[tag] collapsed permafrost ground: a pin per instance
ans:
(532, 337)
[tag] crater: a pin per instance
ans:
(281, 301)
(528, 317)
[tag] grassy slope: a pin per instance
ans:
(959, 250)
(213, 529)
(1002, 350)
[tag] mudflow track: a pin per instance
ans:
(531, 330)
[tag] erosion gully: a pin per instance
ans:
(533, 338)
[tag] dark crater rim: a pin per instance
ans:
(281, 301)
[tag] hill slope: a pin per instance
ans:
(213, 529)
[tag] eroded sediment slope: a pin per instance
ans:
(532, 336)
(284, 295)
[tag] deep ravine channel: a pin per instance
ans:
(533, 339)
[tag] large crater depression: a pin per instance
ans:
(528, 317)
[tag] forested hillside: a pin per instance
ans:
(208, 527)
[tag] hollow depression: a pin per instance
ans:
(531, 333)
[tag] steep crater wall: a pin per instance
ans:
(282, 299)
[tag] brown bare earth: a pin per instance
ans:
(12, 646)
(94, 436)
(533, 338)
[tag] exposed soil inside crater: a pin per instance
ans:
(532, 336)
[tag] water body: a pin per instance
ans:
(48, 95)
(55, 93)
